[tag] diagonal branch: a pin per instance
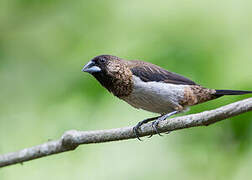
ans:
(72, 139)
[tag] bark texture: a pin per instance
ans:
(73, 138)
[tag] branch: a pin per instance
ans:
(72, 139)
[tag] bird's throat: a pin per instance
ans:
(116, 84)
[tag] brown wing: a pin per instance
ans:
(149, 72)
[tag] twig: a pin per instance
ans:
(72, 139)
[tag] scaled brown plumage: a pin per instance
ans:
(115, 76)
(196, 94)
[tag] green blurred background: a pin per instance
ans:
(45, 43)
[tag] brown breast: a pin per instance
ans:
(121, 84)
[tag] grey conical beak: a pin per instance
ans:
(90, 67)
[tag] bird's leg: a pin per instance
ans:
(162, 118)
(135, 128)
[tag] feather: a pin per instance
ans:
(148, 72)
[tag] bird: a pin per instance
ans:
(147, 86)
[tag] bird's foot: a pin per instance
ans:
(136, 132)
(139, 124)
(155, 125)
(162, 118)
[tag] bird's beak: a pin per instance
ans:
(90, 67)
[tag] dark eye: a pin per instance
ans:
(102, 60)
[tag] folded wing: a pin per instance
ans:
(148, 72)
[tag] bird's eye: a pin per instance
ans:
(102, 60)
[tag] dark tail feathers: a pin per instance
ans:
(231, 92)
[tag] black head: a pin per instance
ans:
(112, 72)
(99, 64)
(101, 67)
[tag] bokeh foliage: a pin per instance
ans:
(44, 44)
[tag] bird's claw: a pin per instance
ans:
(162, 118)
(155, 125)
(150, 136)
(135, 130)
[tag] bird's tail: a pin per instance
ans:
(230, 92)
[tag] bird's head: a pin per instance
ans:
(111, 71)
(103, 64)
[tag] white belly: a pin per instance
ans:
(155, 97)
